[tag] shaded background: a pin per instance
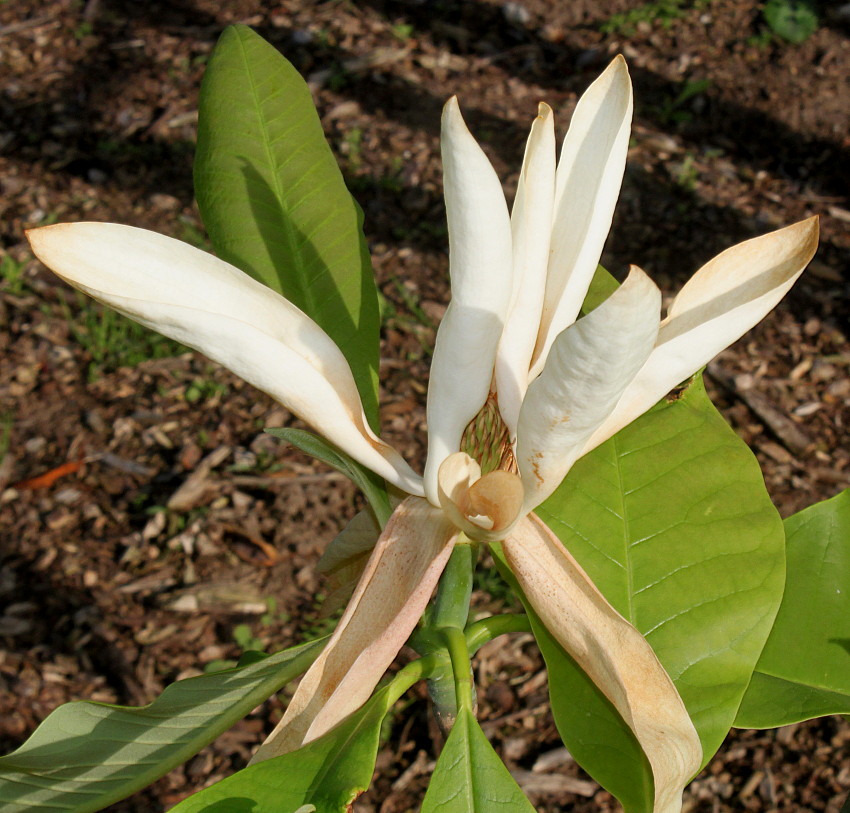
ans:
(148, 528)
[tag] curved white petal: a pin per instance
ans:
(531, 228)
(590, 172)
(589, 367)
(205, 303)
(481, 277)
(613, 654)
(389, 600)
(722, 301)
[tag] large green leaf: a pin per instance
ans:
(470, 777)
(85, 755)
(274, 202)
(598, 738)
(804, 670)
(671, 520)
(373, 487)
(327, 774)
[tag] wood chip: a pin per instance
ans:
(553, 783)
(192, 492)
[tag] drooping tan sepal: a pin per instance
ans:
(387, 603)
(611, 652)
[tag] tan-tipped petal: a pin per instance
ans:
(481, 279)
(719, 304)
(531, 228)
(589, 366)
(389, 600)
(484, 508)
(613, 654)
(205, 303)
(590, 172)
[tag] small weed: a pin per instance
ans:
(686, 174)
(6, 421)
(488, 580)
(403, 31)
(12, 275)
(316, 626)
(112, 340)
(83, 30)
(670, 112)
(411, 304)
(658, 12)
(203, 389)
(245, 638)
(793, 20)
(351, 147)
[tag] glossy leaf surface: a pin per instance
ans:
(326, 775)
(86, 755)
(274, 202)
(470, 777)
(671, 520)
(804, 670)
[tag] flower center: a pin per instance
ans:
(487, 441)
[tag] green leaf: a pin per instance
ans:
(601, 287)
(793, 20)
(671, 520)
(470, 777)
(606, 745)
(85, 755)
(804, 670)
(274, 202)
(373, 487)
(328, 773)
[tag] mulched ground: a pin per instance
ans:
(176, 530)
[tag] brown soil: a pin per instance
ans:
(107, 594)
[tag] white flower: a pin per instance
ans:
(510, 337)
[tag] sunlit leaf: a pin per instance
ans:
(327, 774)
(804, 670)
(470, 777)
(86, 755)
(274, 201)
(671, 520)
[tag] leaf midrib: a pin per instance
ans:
(308, 303)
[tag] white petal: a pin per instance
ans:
(613, 654)
(590, 172)
(721, 302)
(589, 366)
(387, 604)
(201, 301)
(531, 228)
(481, 277)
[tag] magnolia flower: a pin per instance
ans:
(510, 351)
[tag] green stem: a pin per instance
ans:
(486, 629)
(451, 605)
(461, 668)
